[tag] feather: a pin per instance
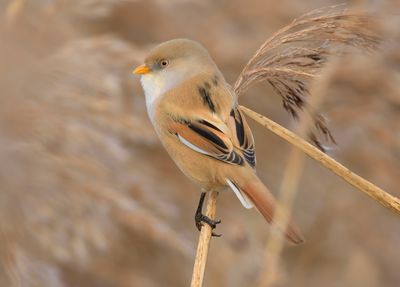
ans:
(206, 138)
(258, 193)
(243, 136)
(244, 200)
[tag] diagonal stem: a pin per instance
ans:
(376, 193)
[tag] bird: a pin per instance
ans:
(195, 114)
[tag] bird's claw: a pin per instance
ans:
(200, 218)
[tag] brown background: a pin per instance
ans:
(88, 197)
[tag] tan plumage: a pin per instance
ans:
(194, 112)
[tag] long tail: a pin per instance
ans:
(256, 192)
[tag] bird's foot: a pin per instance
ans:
(199, 217)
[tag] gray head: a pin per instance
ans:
(172, 63)
(178, 55)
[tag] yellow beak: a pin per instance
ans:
(142, 69)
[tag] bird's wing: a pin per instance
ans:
(242, 136)
(204, 136)
(209, 122)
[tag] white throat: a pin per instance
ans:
(155, 85)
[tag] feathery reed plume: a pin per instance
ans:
(294, 55)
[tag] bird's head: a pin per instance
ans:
(171, 63)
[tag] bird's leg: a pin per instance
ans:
(199, 217)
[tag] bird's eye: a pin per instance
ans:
(164, 63)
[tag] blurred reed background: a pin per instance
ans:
(88, 197)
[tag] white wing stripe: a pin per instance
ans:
(191, 146)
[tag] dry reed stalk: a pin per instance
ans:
(376, 193)
(276, 241)
(288, 60)
(288, 190)
(313, 38)
(204, 242)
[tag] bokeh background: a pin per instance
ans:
(88, 197)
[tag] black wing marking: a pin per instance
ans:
(244, 137)
(202, 136)
(208, 134)
(204, 92)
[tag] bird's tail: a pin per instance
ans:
(252, 190)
